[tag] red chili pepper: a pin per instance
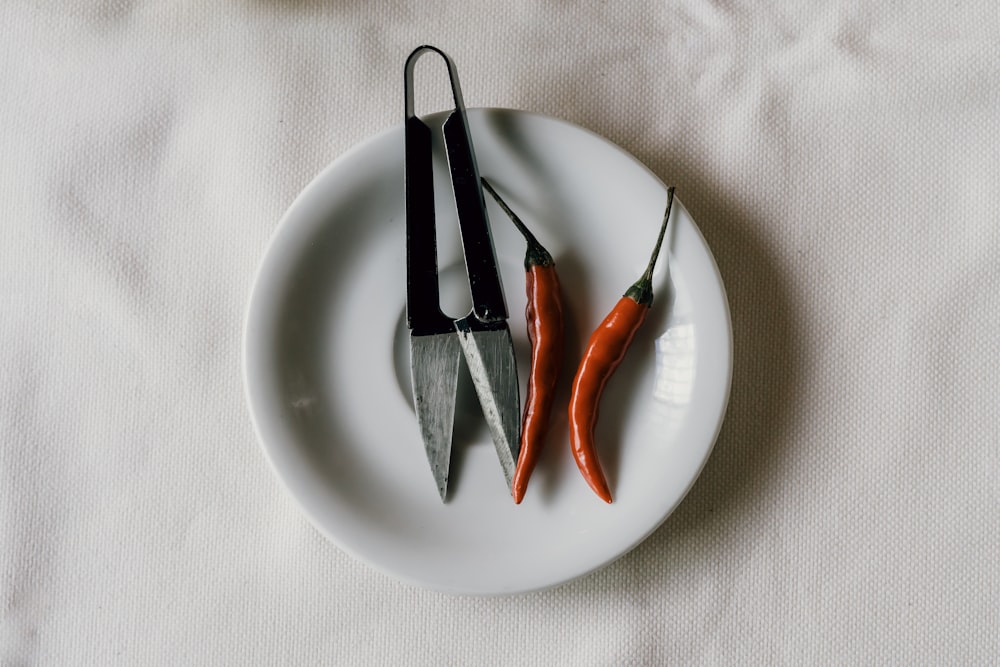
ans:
(544, 314)
(605, 351)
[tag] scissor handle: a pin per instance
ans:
(411, 62)
(423, 299)
(488, 302)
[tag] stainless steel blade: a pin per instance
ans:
(489, 355)
(434, 372)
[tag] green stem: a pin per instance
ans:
(536, 254)
(641, 290)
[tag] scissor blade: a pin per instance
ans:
(490, 357)
(434, 371)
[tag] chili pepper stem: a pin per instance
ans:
(536, 254)
(641, 290)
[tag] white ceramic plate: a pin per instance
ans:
(326, 361)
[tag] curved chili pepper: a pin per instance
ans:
(544, 314)
(605, 351)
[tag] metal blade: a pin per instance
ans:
(489, 355)
(434, 372)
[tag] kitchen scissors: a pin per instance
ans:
(437, 341)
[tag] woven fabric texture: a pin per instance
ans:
(841, 159)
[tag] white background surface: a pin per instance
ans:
(841, 159)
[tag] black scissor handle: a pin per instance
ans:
(423, 298)
(411, 62)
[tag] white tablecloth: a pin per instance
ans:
(841, 158)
